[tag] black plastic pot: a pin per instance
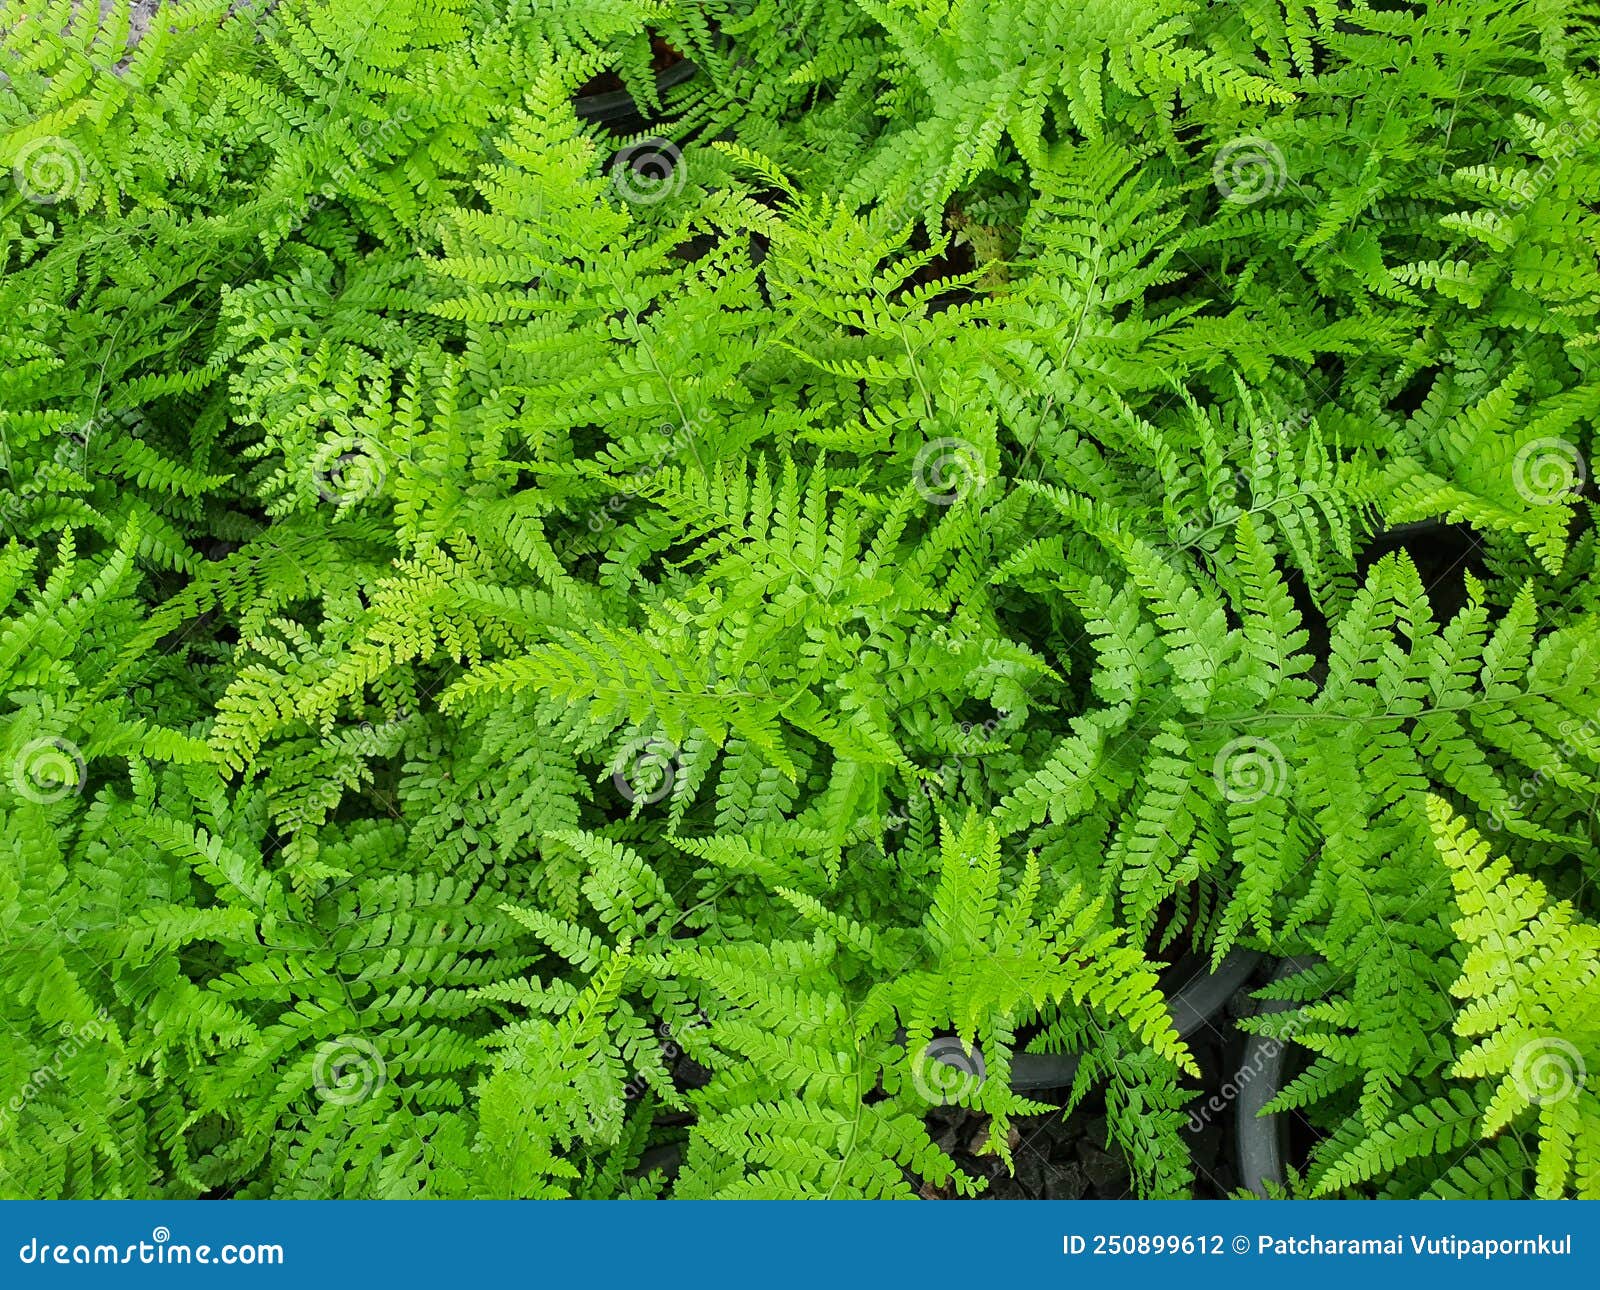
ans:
(1262, 1140)
(1191, 1006)
(618, 111)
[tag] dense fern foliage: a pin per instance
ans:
(525, 646)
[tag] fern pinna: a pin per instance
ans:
(540, 662)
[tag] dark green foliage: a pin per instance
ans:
(520, 646)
